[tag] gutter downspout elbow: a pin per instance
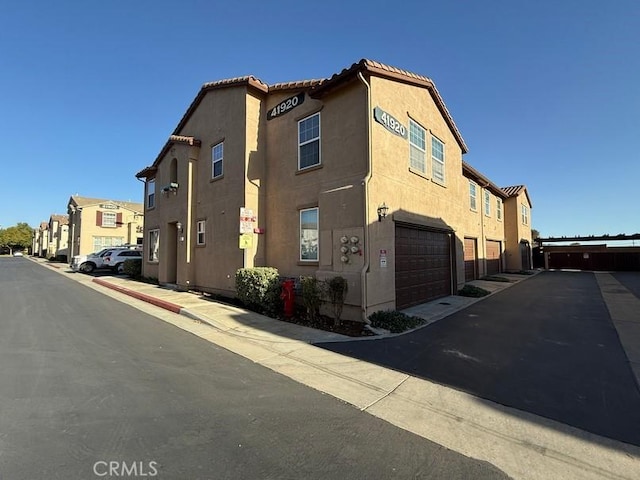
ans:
(365, 184)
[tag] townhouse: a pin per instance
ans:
(58, 231)
(40, 242)
(358, 175)
(96, 223)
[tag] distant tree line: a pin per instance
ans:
(17, 237)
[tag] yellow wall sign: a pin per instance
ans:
(246, 241)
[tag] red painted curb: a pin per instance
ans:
(172, 307)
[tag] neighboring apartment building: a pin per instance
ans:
(40, 242)
(96, 223)
(359, 175)
(58, 230)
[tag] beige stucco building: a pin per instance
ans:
(40, 242)
(359, 175)
(96, 223)
(58, 232)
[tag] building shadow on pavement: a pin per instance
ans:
(547, 347)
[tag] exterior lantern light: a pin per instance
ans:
(382, 211)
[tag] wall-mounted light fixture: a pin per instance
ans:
(179, 227)
(382, 211)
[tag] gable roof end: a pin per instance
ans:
(386, 71)
(515, 190)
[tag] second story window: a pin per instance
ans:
(417, 147)
(151, 193)
(437, 160)
(525, 214)
(108, 219)
(309, 142)
(217, 154)
(473, 188)
(499, 208)
(200, 231)
(487, 203)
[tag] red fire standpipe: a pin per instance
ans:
(288, 296)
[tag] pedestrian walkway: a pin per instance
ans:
(522, 445)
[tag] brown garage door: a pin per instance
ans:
(470, 259)
(493, 257)
(423, 266)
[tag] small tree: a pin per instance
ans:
(337, 289)
(312, 294)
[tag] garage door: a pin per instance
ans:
(470, 259)
(493, 257)
(423, 266)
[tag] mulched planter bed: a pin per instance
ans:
(346, 327)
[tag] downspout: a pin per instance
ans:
(365, 184)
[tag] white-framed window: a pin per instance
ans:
(525, 214)
(217, 155)
(200, 232)
(309, 141)
(151, 193)
(487, 203)
(309, 235)
(437, 160)
(105, 242)
(109, 219)
(499, 209)
(417, 147)
(473, 195)
(154, 245)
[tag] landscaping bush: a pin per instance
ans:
(259, 289)
(312, 295)
(336, 290)
(132, 268)
(394, 321)
(472, 291)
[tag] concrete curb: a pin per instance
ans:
(172, 307)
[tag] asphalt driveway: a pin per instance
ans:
(546, 346)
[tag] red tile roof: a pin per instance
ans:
(470, 172)
(515, 190)
(316, 88)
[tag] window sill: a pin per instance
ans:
(310, 263)
(439, 183)
(219, 177)
(309, 169)
(419, 173)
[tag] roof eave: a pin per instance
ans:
(372, 68)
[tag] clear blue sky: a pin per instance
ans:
(545, 93)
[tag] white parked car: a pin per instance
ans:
(115, 259)
(93, 261)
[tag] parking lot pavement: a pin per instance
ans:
(547, 346)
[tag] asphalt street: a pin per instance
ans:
(88, 382)
(545, 346)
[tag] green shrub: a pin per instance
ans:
(259, 289)
(312, 295)
(394, 321)
(472, 291)
(132, 268)
(336, 290)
